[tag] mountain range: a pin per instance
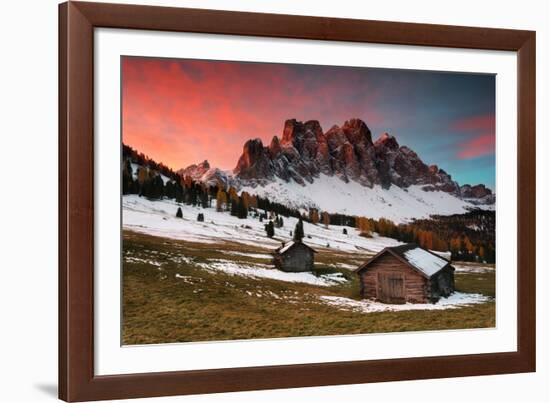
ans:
(305, 154)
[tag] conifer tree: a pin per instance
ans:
(179, 213)
(235, 208)
(269, 229)
(242, 211)
(204, 199)
(299, 231)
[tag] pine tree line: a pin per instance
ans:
(468, 236)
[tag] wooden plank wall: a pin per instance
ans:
(416, 285)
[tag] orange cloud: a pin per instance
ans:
(183, 111)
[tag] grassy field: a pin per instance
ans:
(169, 296)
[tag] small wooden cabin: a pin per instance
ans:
(406, 273)
(294, 256)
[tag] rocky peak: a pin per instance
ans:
(274, 147)
(304, 152)
(387, 141)
(196, 171)
(252, 150)
(357, 132)
(475, 192)
(433, 169)
(254, 161)
(303, 137)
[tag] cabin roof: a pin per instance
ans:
(289, 245)
(426, 262)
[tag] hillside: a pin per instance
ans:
(159, 218)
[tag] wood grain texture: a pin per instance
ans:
(76, 213)
(77, 381)
(63, 320)
(416, 285)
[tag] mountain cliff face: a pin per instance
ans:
(195, 171)
(305, 156)
(347, 152)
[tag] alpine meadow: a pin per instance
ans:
(264, 200)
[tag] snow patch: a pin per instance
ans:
(261, 271)
(472, 268)
(253, 255)
(131, 259)
(347, 266)
(454, 301)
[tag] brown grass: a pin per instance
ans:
(158, 307)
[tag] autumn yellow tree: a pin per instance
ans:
(233, 196)
(313, 215)
(221, 200)
(364, 226)
(142, 175)
(439, 244)
(245, 197)
(253, 201)
(481, 253)
(386, 227)
(425, 239)
(428, 240)
(455, 245)
(468, 246)
(326, 219)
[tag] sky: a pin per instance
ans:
(181, 112)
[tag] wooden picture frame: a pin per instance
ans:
(77, 21)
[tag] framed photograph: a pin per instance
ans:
(258, 201)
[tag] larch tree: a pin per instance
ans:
(313, 215)
(326, 219)
(221, 200)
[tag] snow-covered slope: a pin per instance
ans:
(329, 193)
(159, 218)
(137, 167)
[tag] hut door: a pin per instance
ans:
(391, 288)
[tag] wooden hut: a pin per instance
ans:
(294, 256)
(406, 273)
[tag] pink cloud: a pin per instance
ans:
(479, 132)
(475, 123)
(477, 147)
